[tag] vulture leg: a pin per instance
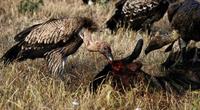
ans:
(148, 23)
(147, 26)
(182, 57)
(56, 62)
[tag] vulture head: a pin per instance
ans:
(104, 48)
(94, 46)
(101, 47)
(122, 70)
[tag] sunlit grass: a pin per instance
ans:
(28, 85)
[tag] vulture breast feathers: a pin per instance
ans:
(53, 40)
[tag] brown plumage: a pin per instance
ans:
(137, 14)
(126, 72)
(122, 70)
(55, 40)
(184, 17)
(158, 41)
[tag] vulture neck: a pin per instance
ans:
(92, 46)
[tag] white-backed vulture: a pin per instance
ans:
(55, 40)
(137, 14)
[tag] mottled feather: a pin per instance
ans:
(137, 14)
(53, 40)
(54, 31)
(133, 7)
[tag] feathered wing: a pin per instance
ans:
(175, 81)
(56, 62)
(134, 7)
(186, 19)
(136, 14)
(20, 36)
(52, 31)
(56, 59)
(41, 38)
(11, 54)
(117, 18)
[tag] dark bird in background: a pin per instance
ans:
(129, 73)
(184, 17)
(137, 14)
(54, 40)
(189, 56)
(160, 40)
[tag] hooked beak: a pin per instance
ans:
(109, 56)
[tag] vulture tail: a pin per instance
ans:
(11, 54)
(113, 22)
(117, 17)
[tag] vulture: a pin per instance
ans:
(184, 18)
(137, 14)
(54, 40)
(158, 41)
(190, 53)
(121, 69)
(128, 72)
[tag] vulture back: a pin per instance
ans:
(137, 14)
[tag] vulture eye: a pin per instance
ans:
(105, 48)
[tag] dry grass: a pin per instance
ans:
(27, 85)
